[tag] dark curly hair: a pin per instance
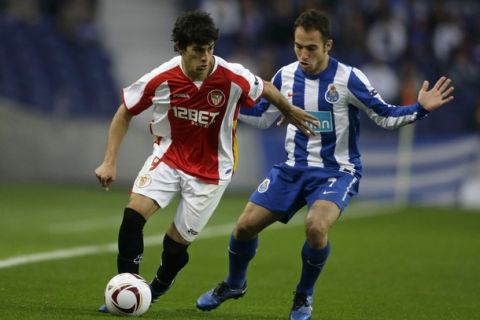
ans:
(313, 19)
(193, 27)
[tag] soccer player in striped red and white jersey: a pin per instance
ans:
(321, 171)
(195, 98)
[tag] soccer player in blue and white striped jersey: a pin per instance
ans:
(321, 171)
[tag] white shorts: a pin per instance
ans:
(198, 199)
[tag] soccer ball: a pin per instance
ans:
(128, 294)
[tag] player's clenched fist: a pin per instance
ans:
(106, 175)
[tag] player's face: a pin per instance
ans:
(311, 50)
(197, 61)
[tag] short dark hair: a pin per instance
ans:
(313, 19)
(194, 27)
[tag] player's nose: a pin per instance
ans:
(304, 56)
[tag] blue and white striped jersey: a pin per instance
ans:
(335, 97)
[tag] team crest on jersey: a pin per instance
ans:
(332, 94)
(216, 98)
(264, 186)
(143, 181)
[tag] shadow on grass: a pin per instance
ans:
(192, 314)
(62, 312)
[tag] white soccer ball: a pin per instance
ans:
(128, 294)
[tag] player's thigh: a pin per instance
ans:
(321, 215)
(253, 219)
(197, 204)
(155, 187)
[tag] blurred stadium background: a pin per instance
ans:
(62, 66)
(63, 63)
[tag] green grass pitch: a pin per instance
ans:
(386, 263)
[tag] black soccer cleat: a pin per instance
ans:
(159, 288)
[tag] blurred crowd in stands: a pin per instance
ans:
(397, 43)
(52, 57)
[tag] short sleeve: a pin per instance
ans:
(250, 84)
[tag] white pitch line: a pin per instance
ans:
(209, 232)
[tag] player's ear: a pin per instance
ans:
(177, 48)
(328, 45)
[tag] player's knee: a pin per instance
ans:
(251, 222)
(132, 221)
(143, 205)
(319, 220)
(317, 232)
(245, 230)
(173, 247)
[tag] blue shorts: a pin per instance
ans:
(287, 189)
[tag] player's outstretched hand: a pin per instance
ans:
(106, 174)
(437, 96)
(301, 119)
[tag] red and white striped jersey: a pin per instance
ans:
(195, 123)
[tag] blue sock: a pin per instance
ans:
(240, 253)
(313, 262)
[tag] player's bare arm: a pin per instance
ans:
(106, 172)
(437, 96)
(296, 116)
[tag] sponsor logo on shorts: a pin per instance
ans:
(264, 186)
(143, 181)
(328, 192)
(192, 232)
